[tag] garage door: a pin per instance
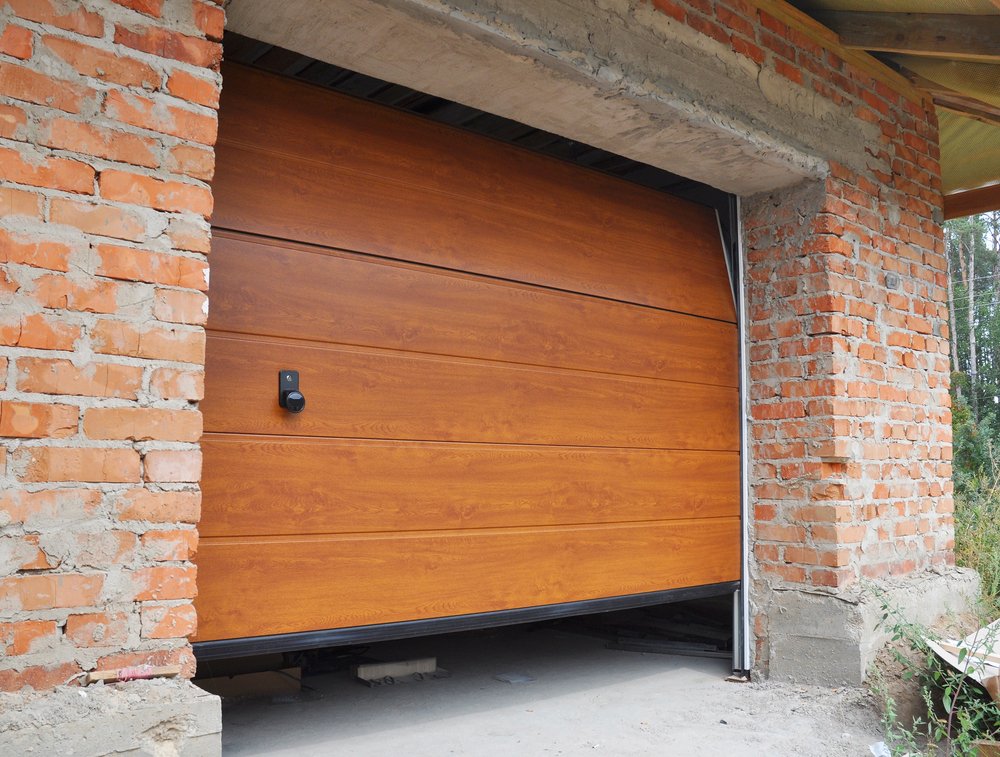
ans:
(520, 375)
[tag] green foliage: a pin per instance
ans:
(973, 247)
(972, 446)
(977, 529)
(958, 711)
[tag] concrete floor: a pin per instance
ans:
(584, 699)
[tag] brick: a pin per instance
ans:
(33, 251)
(133, 264)
(60, 292)
(39, 331)
(55, 173)
(9, 284)
(105, 549)
(792, 534)
(709, 29)
(47, 508)
(152, 8)
(168, 621)
(195, 89)
(175, 306)
(16, 41)
(85, 464)
(104, 65)
(805, 555)
(145, 113)
(209, 18)
(154, 342)
(105, 220)
(188, 235)
(790, 573)
(27, 636)
(671, 8)
(174, 545)
(17, 202)
(82, 137)
(31, 86)
(38, 677)
(164, 582)
(69, 16)
(182, 656)
(142, 424)
(97, 629)
(177, 384)
(189, 160)
(167, 43)
(12, 121)
(172, 466)
(95, 379)
(156, 193)
(748, 49)
(829, 578)
(35, 557)
(159, 507)
(49, 591)
(27, 420)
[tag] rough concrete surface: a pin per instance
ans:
(827, 639)
(161, 718)
(614, 74)
(584, 699)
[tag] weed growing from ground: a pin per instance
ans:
(958, 711)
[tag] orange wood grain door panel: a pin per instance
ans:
(520, 376)
(361, 579)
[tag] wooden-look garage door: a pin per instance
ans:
(520, 375)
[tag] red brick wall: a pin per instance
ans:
(848, 337)
(107, 120)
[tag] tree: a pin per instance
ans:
(973, 249)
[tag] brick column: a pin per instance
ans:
(107, 121)
(850, 411)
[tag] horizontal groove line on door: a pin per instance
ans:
(519, 210)
(498, 531)
(235, 436)
(320, 249)
(454, 359)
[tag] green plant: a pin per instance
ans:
(958, 712)
(977, 530)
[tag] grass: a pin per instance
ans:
(977, 532)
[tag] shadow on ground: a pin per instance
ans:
(583, 699)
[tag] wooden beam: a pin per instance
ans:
(963, 107)
(942, 35)
(956, 102)
(971, 202)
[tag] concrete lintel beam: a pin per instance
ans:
(613, 74)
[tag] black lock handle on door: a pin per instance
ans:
(289, 396)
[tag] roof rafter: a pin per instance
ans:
(933, 34)
(954, 101)
(971, 202)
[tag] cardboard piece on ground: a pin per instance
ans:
(263, 684)
(982, 658)
(987, 748)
